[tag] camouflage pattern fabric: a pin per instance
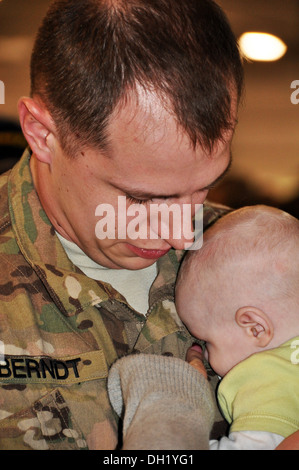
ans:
(60, 331)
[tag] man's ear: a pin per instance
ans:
(37, 126)
(256, 324)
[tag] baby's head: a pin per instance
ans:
(239, 292)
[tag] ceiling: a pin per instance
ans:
(266, 143)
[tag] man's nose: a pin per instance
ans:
(175, 224)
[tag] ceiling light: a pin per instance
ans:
(262, 46)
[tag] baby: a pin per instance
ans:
(239, 293)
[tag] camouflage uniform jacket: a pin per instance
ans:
(61, 331)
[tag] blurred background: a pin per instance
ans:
(266, 144)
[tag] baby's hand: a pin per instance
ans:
(195, 358)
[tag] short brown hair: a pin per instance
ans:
(89, 53)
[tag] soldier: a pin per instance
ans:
(130, 98)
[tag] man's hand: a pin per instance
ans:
(195, 358)
(290, 443)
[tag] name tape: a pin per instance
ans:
(24, 369)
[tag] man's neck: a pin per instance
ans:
(134, 285)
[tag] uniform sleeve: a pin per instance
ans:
(165, 403)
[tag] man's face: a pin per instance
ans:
(151, 161)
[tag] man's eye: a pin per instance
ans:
(133, 200)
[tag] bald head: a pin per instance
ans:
(248, 256)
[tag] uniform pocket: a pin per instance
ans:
(56, 426)
(46, 425)
(40, 395)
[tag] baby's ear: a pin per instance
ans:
(256, 324)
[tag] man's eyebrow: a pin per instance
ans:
(220, 178)
(140, 194)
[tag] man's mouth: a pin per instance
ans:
(147, 253)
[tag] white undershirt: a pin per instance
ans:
(247, 440)
(134, 285)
